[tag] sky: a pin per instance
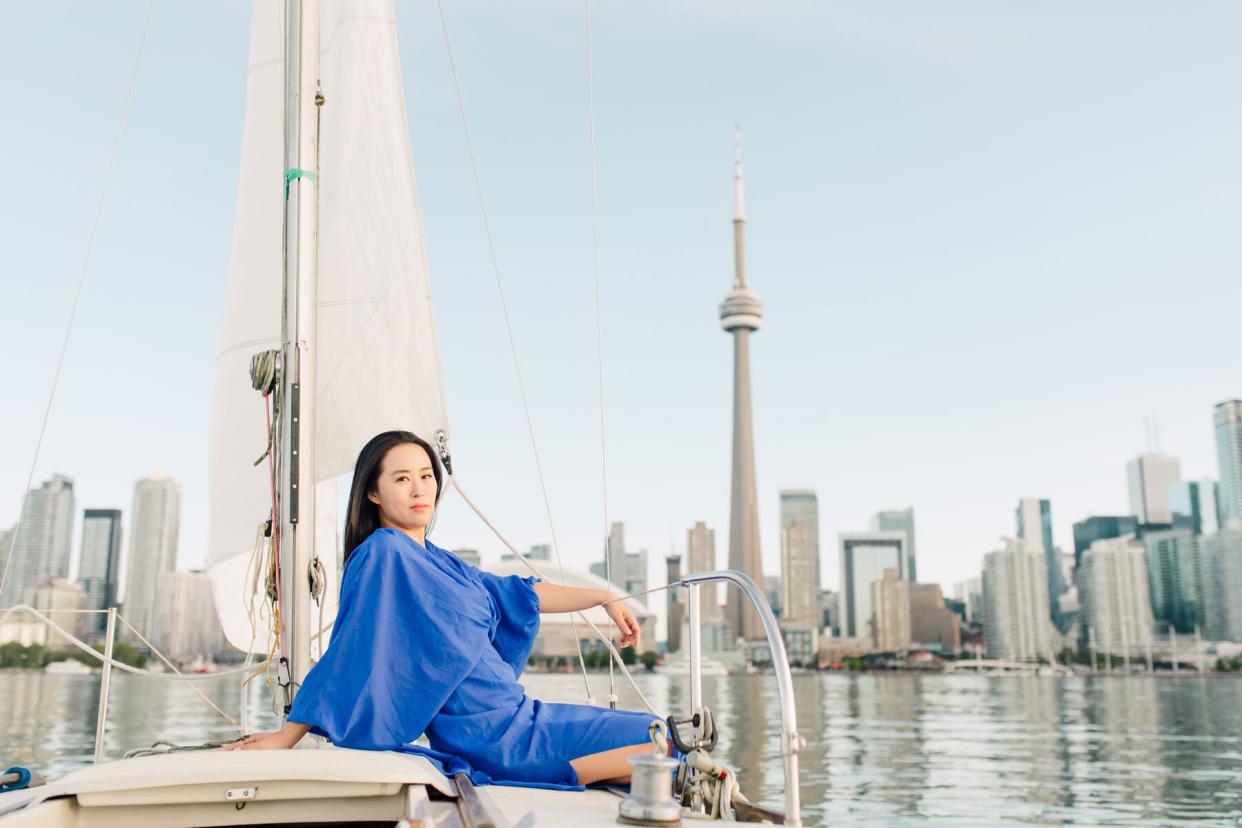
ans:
(992, 241)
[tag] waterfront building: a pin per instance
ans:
(555, 639)
(1195, 502)
(538, 552)
(799, 557)
(1116, 603)
(99, 564)
(61, 600)
(801, 645)
(469, 556)
(629, 569)
(1015, 604)
(1100, 527)
(741, 314)
(1033, 521)
(40, 547)
(900, 520)
(1223, 568)
(701, 557)
(864, 557)
(890, 607)
(1228, 420)
(1150, 476)
(1175, 578)
(154, 525)
(931, 622)
(677, 612)
(186, 626)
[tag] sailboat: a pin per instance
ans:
(329, 338)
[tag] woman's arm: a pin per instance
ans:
(286, 737)
(558, 598)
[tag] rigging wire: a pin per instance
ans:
(599, 335)
(77, 294)
(504, 307)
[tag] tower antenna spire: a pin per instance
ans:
(739, 212)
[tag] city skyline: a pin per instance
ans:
(916, 233)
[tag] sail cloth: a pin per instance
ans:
(377, 366)
(427, 643)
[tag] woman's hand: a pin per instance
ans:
(625, 621)
(282, 739)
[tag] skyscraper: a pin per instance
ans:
(1150, 477)
(1196, 500)
(1228, 420)
(799, 557)
(40, 547)
(676, 608)
(701, 557)
(930, 621)
(628, 569)
(900, 520)
(1223, 572)
(1175, 578)
(1015, 604)
(1116, 603)
(154, 524)
(1033, 518)
(890, 603)
(864, 557)
(741, 313)
(186, 626)
(100, 562)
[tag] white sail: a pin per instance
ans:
(377, 361)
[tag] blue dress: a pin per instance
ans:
(426, 643)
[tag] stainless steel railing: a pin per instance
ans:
(791, 742)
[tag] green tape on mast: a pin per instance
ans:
(295, 173)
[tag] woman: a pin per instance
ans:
(426, 643)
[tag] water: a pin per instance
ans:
(883, 750)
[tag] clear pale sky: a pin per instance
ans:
(991, 239)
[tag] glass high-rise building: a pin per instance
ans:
(100, 562)
(1196, 501)
(900, 520)
(40, 546)
(1229, 456)
(1175, 578)
(1015, 604)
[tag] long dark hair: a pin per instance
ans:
(363, 516)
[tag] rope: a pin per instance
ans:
(77, 294)
(232, 722)
(504, 307)
(607, 641)
(120, 665)
(599, 335)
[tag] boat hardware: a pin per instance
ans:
(651, 794)
(470, 805)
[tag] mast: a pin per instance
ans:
(296, 486)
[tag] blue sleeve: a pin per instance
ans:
(401, 645)
(519, 617)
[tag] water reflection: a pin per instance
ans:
(882, 750)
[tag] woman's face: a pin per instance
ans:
(406, 490)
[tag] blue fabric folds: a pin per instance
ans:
(426, 643)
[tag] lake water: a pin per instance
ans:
(882, 750)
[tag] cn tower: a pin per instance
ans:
(740, 314)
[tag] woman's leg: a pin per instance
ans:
(608, 765)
